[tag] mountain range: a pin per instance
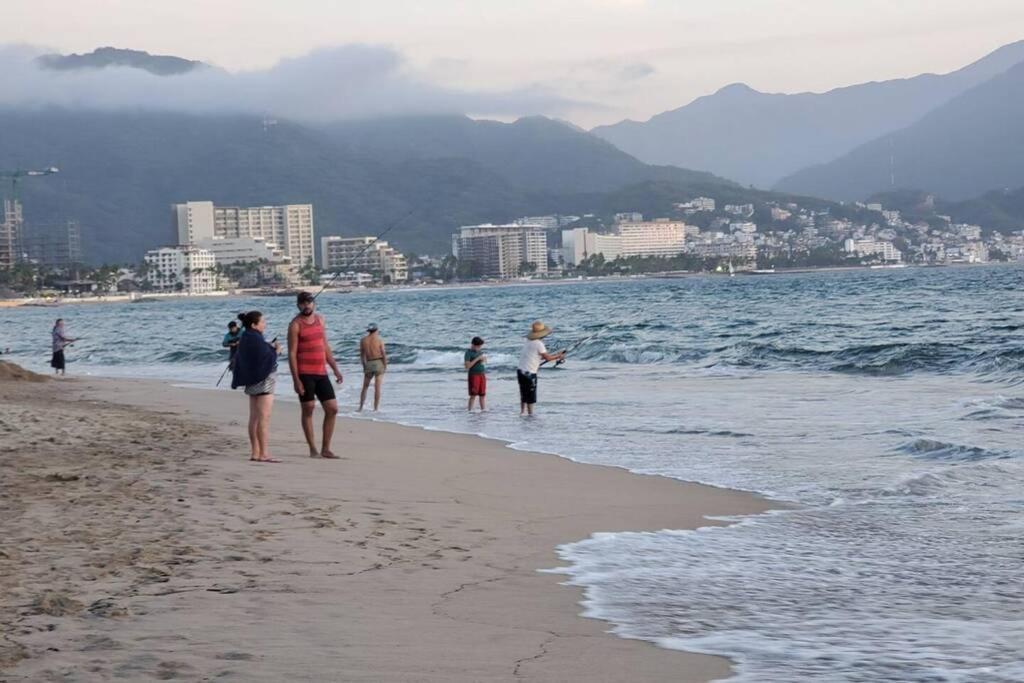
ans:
(120, 172)
(963, 148)
(103, 57)
(761, 138)
(958, 135)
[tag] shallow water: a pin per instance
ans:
(889, 405)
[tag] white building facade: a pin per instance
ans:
(662, 238)
(580, 244)
(363, 254)
(190, 267)
(886, 250)
(288, 227)
(229, 251)
(501, 250)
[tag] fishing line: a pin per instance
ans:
(341, 269)
(604, 328)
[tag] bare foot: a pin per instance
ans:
(268, 459)
(329, 455)
(313, 453)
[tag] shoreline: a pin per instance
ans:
(441, 536)
(44, 302)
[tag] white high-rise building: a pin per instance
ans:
(867, 247)
(501, 250)
(189, 266)
(363, 254)
(580, 244)
(230, 251)
(288, 227)
(193, 221)
(653, 238)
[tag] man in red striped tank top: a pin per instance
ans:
(309, 354)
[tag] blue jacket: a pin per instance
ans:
(255, 360)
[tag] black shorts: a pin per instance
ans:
(57, 362)
(316, 387)
(527, 386)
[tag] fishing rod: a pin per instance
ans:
(601, 330)
(582, 342)
(341, 269)
(272, 342)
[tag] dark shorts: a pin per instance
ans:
(527, 386)
(477, 384)
(316, 387)
(57, 362)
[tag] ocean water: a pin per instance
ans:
(888, 406)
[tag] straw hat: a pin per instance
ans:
(538, 331)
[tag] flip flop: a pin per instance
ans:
(268, 460)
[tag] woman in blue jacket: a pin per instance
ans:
(255, 368)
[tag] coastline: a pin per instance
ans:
(43, 302)
(415, 558)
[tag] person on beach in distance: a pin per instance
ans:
(230, 342)
(529, 365)
(309, 354)
(60, 340)
(476, 373)
(255, 368)
(375, 364)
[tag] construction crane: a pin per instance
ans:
(15, 176)
(10, 228)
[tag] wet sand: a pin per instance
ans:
(140, 544)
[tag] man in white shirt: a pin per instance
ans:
(534, 352)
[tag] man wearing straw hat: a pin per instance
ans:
(534, 352)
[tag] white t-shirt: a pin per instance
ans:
(530, 359)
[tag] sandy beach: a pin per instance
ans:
(140, 544)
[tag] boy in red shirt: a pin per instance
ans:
(476, 373)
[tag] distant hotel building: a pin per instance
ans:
(579, 244)
(230, 251)
(744, 251)
(886, 250)
(363, 254)
(662, 238)
(653, 238)
(501, 250)
(190, 266)
(288, 227)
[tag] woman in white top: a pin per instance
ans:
(534, 353)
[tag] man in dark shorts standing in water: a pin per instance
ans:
(309, 354)
(533, 356)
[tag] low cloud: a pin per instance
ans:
(347, 82)
(636, 71)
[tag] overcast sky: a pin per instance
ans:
(590, 61)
